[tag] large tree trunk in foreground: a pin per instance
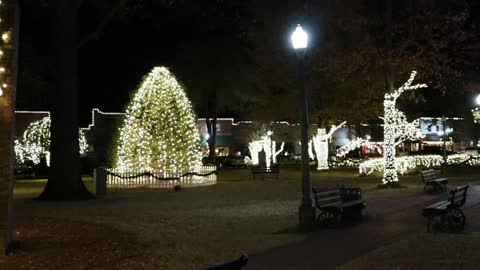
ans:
(64, 181)
(9, 11)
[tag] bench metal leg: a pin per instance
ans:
(328, 217)
(434, 187)
(436, 223)
(430, 224)
(455, 219)
(428, 188)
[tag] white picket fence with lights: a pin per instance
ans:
(107, 178)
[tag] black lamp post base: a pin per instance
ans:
(306, 214)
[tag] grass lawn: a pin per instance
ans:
(206, 225)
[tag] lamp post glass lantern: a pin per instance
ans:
(477, 100)
(299, 38)
(306, 210)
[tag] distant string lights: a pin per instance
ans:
(6, 40)
(35, 142)
(268, 146)
(320, 145)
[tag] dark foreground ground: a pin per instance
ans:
(161, 229)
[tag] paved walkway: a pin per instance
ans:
(385, 221)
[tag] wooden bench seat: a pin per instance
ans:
(337, 203)
(432, 183)
(447, 214)
(265, 171)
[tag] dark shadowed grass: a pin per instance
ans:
(205, 225)
(423, 251)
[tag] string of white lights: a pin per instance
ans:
(159, 133)
(407, 163)
(320, 145)
(6, 39)
(396, 129)
(268, 146)
(352, 145)
(35, 142)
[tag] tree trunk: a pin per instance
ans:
(388, 47)
(64, 181)
(211, 121)
(8, 81)
(389, 172)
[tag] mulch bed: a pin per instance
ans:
(46, 243)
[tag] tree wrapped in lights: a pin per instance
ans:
(159, 133)
(35, 142)
(320, 145)
(396, 129)
(268, 146)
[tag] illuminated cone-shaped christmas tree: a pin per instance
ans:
(159, 133)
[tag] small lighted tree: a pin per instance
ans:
(320, 145)
(266, 144)
(159, 133)
(35, 142)
(396, 129)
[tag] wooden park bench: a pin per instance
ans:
(337, 203)
(432, 183)
(448, 212)
(264, 170)
(231, 265)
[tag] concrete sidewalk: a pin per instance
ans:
(385, 221)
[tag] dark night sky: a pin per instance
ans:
(111, 67)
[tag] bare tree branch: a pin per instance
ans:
(108, 17)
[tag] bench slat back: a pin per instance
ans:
(427, 175)
(327, 196)
(458, 196)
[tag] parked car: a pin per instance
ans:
(234, 162)
(227, 161)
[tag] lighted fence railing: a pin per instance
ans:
(403, 164)
(204, 176)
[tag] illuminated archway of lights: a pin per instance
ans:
(35, 142)
(159, 133)
(396, 129)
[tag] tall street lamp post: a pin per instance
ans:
(306, 210)
(476, 119)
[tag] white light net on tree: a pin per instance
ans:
(266, 144)
(320, 145)
(159, 133)
(35, 142)
(396, 129)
